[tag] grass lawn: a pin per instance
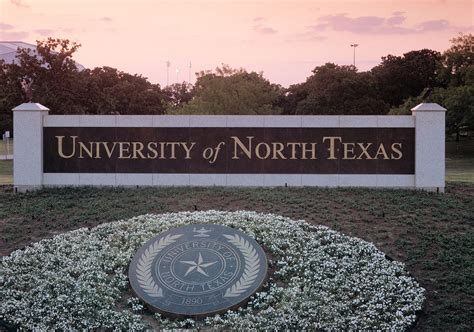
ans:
(4, 149)
(432, 233)
(460, 169)
(6, 172)
(460, 161)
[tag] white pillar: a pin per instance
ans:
(28, 146)
(429, 146)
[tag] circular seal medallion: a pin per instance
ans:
(197, 270)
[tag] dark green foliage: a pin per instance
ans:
(399, 77)
(233, 91)
(335, 90)
(11, 95)
(177, 95)
(458, 62)
(455, 88)
(332, 89)
(110, 91)
(459, 102)
(52, 79)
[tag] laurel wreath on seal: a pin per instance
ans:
(252, 266)
(144, 277)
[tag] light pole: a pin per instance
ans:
(354, 46)
(168, 64)
(189, 79)
(177, 75)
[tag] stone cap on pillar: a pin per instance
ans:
(428, 107)
(30, 107)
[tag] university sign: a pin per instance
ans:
(330, 151)
(229, 150)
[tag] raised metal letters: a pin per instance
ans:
(230, 150)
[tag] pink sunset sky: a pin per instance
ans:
(284, 39)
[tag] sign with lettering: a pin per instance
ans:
(197, 270)
(229, 150)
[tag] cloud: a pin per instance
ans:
(44, 32)
(434, 25)
(308, 36)
(19, 3)
(261, 28)
(264, 30)
(377, 24)
(361, 24)
(105, 19)
(5, 26)
(396, 20)
(398, 13)
(13, 35)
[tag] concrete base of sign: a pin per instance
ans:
(234, 180)
(231, 180)
(24, 189)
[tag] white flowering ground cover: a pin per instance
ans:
(322, 279)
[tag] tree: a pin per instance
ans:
(52, 74)
(333, 90)
(458, 61)
(459, 102)
(11, 95)
(399, 77)
(49, 73)
(110, 91)
(456, 87)
(177, 95)
(292, 96)
(232, 91)
(55, 82)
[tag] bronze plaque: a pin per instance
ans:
(229, 150)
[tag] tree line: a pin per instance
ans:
(50, 76)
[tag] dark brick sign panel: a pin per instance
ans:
(229, 150)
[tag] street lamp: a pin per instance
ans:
(168, 64)
(354, 46)
(189, 79)
(177, 75)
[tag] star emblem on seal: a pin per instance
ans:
(197, 265)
